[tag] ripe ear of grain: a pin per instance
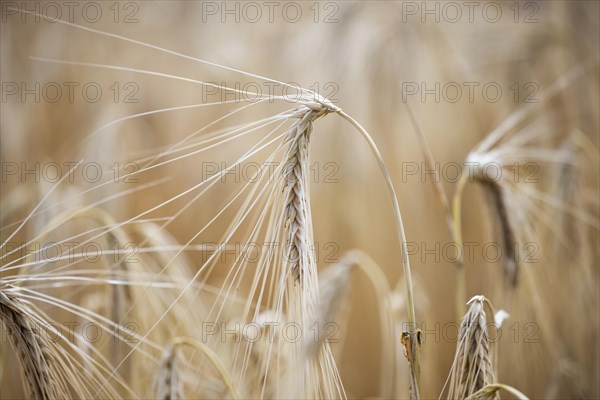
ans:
(32, 350)
(472, 368)
(168, 384)
(296, 207)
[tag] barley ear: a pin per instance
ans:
(32, 349)
(506, 233)
(168, 384)
(120, 295)
(295, 193)
(297, 210)
(472, 368)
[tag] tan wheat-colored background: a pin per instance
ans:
(367, 54)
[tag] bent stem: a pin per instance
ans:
(461, 275)
(413, 332)
(492, 388)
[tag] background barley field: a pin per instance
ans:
(153, 152)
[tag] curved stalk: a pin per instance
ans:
(214, 359)
(461, 275)
(413, 332)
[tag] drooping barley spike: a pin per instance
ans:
(506, 233)
(297, 211)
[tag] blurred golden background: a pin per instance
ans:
(443, 60)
